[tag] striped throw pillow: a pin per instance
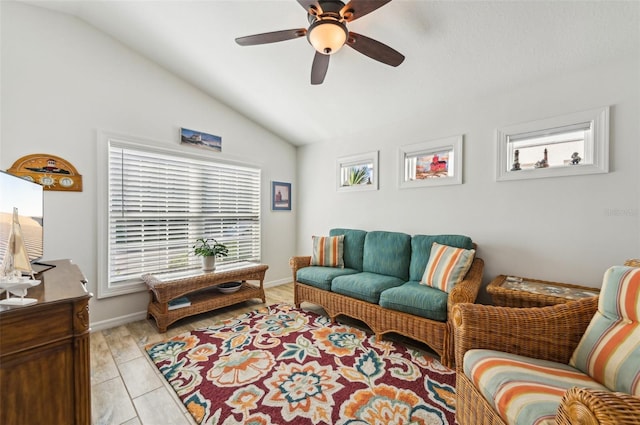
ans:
(327, 251)
(447, 266)
(609, 351)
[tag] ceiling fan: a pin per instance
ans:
(328, 32)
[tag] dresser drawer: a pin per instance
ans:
(36, 326)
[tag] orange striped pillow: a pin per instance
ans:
(609, 350)
(447, 266)
(327, 251)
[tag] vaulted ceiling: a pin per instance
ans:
(455, 51)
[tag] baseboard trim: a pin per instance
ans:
(141, 315)
(118, 321)
(277, 282)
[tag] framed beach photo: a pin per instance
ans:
(280, 196)
(200, 140)
(433, 163)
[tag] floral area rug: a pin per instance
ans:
(282, 365)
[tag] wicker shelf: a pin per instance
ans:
(201, 290)
(535, 293)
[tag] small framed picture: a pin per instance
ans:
(280, 196)
(433, 163)
(200, 140)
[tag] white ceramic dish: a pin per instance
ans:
(229, 287)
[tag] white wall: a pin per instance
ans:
(567, 229)
(62, 81)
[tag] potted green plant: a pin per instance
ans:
(209, 251)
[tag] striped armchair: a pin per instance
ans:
(573, 363)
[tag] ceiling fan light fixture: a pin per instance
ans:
(327, 36)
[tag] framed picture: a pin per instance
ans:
(200, 140)
(433, 163)
(357, 172)
(280, 196)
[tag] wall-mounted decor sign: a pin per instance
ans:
(200, 139)
(52, 172)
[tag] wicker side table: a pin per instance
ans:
(525, 292)
(201, 290)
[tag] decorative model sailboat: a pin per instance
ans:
(16, 261)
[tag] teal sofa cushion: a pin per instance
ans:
(364, 286)
(353, 246)
(320, 276)
(387, 253)
(417, 299)
(421, 250)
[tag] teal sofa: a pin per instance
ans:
(380, 286)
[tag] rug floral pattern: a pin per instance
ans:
(281, 365)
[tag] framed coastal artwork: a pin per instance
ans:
(433, 163)
(357, 172)
(201, 140)
(280, 196)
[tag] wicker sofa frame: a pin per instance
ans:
(549, 333)
(437, 335)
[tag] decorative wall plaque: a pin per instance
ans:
(52, 172)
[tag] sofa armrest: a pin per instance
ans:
(467, 290)
(548, 333)
(297, 263)
(587, 406)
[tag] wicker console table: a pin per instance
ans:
(201, 290)
(510, 291)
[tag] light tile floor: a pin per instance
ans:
(127, 388)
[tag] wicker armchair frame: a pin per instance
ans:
(437, 335)
(585, 406)
(549, 333)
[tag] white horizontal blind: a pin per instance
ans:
(160, 204)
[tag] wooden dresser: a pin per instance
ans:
(44, 352)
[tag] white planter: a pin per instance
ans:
(209, 263)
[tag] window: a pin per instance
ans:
(556, 147)
(561, 146)
(357, 172)
(158, 202)
(434, 163)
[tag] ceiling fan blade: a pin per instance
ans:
(271, 37)
(374, 49)
(309, 5)
(358, 8)
(319, 68)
